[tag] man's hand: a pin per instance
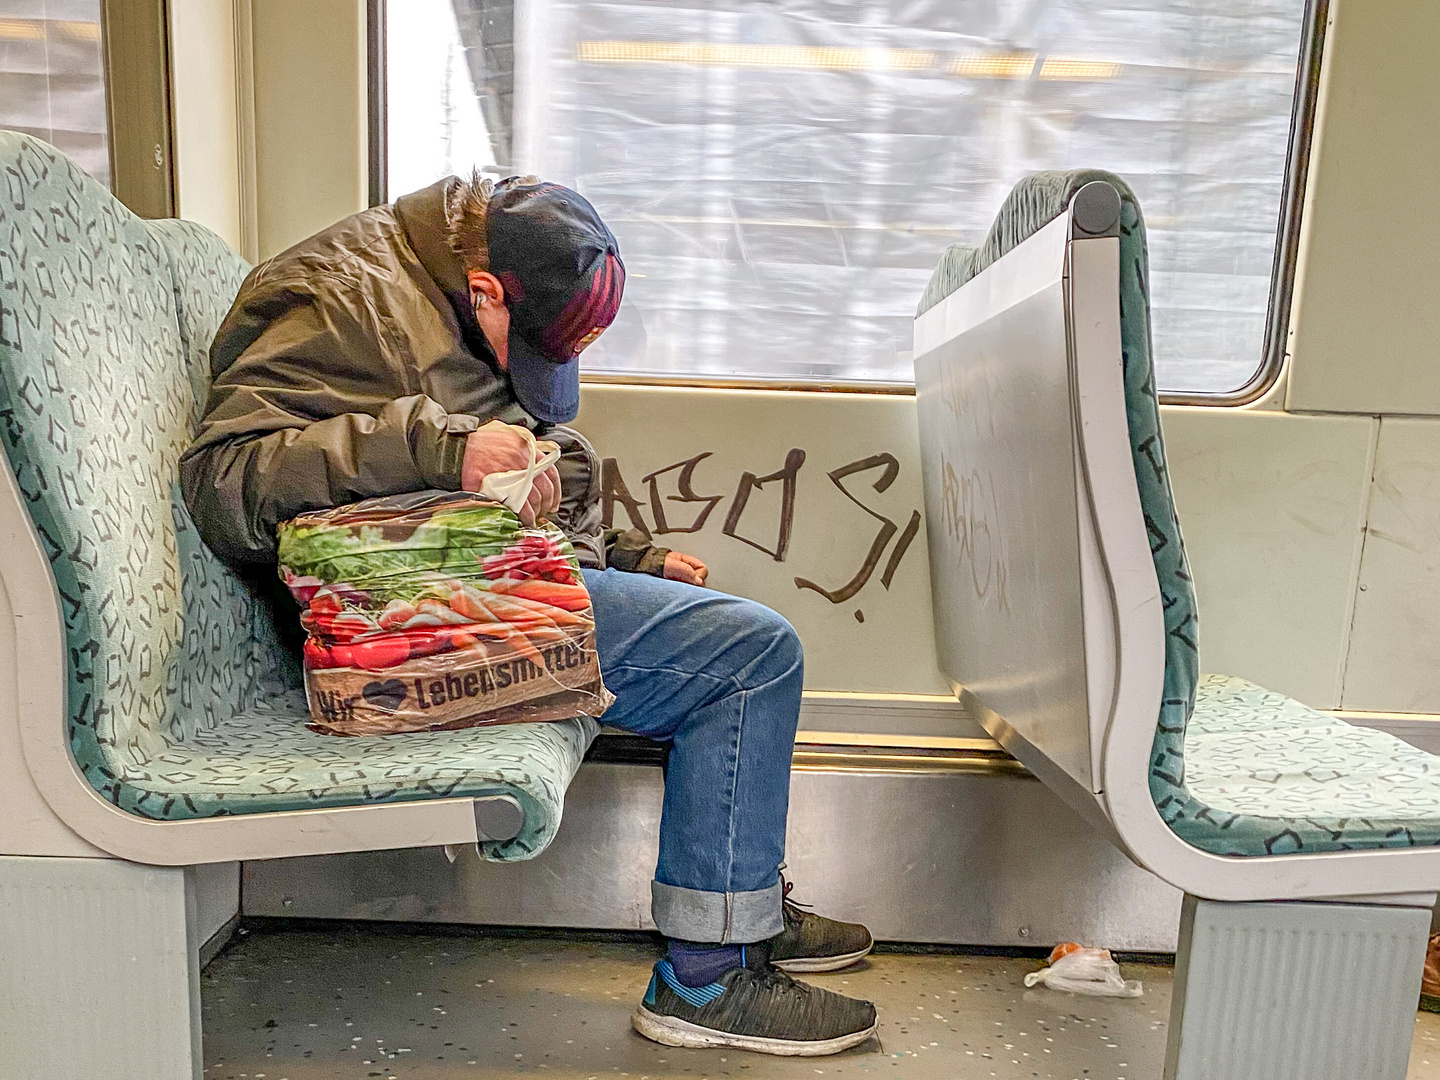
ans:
(497, 448)
(685, 568)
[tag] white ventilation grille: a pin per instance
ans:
(1295, 991)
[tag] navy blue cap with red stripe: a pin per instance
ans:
(563, 280)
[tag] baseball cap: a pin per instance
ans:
(563, 280)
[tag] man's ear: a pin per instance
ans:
(483, 283)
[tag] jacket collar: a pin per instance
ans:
(422, 216)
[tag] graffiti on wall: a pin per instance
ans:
(970, 507)
(666, 502)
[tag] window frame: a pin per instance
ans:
(135, 46)
(377, 116)
(1282, 276)
(1287, 231)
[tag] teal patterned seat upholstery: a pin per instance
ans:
(180, 702)
(1235, 769)
(1266, 775)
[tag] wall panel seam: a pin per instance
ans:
(1358, 564)
(245, 129)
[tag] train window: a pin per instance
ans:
(783, 178)
(52, 77)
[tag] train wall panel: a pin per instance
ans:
(1365, 325)
(1273, 505)
(207, 121)
(311, 138)
(1394, 660)
(1273, 510)
(946, 857)
(807, 502)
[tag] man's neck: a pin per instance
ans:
(422, 215)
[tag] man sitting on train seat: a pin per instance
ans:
(367, 361)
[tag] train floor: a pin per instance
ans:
(287, 1002)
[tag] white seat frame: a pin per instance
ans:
(1074, 691)
(97, 901)
(55, 805)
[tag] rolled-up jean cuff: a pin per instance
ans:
(739, 918)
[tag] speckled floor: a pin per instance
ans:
(361, 1002)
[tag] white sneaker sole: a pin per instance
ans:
(813, 964)
(672, 1031)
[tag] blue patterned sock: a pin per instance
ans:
(699, 964)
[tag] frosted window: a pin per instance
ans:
(52, 77)
(783, 177)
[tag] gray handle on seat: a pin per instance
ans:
(498, 817)
(1095, 210)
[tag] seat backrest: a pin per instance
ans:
(1035, 203)
(105, 325)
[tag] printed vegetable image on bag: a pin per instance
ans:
(439, 610)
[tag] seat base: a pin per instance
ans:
(100, 974)
(1295, 991)
(1263, 774)
(265, 759)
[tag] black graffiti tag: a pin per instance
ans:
(887, 530)
(749, 482)
(683, 484)
(613, 490)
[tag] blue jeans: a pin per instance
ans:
(718, 678)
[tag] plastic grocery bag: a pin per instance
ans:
(439, 610)
(1082, 970)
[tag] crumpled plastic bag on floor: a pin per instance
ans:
(1081, 970)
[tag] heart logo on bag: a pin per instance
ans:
(385, 695)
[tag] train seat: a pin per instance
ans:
(1066, 620)
(178, 704)
(1262, 774)
(149, 720)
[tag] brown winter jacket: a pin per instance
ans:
(352, 366)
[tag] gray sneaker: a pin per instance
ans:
(754, 1007)
(813, 943)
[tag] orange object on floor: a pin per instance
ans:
(1064, 949)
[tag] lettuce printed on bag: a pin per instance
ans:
(439, 610)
